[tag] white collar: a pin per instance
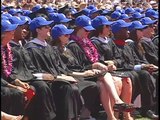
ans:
(39, 42)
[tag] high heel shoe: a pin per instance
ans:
(123, 107)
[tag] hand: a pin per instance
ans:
(22, 84)
(21, 89)
(99, 66)
(47, 76)
(67, 78)
(112, 67)
(152, 68)
(109, 62)
(91, 72)
(149, 67)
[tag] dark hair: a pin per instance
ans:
(76, 28)
(55, 42)
(34, 34)
(133, 35)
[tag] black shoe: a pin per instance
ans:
(150, 114)
(123, 107)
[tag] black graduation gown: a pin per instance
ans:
(86, 87)
(151, 52)
(137, 49)
(42, 105)
(66, 95)
(143, 83)
(156, 41)
(12, 100)
(105, 51)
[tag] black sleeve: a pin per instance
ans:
(3, 82)
(103, 50)
(80, 55)
(150, 52)
(116, 55)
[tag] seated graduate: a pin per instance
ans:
(136, 34)
(65, 92)
(151, 51)
(126, 59)
(42, 106)
(100, 38)
(12, 91)
(60, 35)
(88, 58)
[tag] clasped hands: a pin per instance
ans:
(149, 67)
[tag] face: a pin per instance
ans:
(106, 30)
(83, 33)
(44, 32)
(149, 31)
(64, 39)
(7, 36)
(21, 32)
(69, 15)
(139, 34)
(124, 33)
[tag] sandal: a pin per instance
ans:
(123, 107)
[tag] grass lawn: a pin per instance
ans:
(142, 118)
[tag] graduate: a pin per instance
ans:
(42, 106)
(88, 57)
(100, 38)
(65, 92)
(142, 80)
(151, 52)
(136, 34)
(12, 92)
(60, 34)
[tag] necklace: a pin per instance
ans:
(7, 60)
(89, 49)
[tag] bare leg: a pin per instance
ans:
(106, 101)
(126, 95)
(118, 85)
(5, 116)
(110, 87)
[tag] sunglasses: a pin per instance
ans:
(86, 30)
(67, 35)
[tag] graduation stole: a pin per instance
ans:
(7, 60)
(88, 47)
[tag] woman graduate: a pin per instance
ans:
(60, 35)
(100, 38)
(88, 57)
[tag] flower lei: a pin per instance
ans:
(89, 49)
(7, 65)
